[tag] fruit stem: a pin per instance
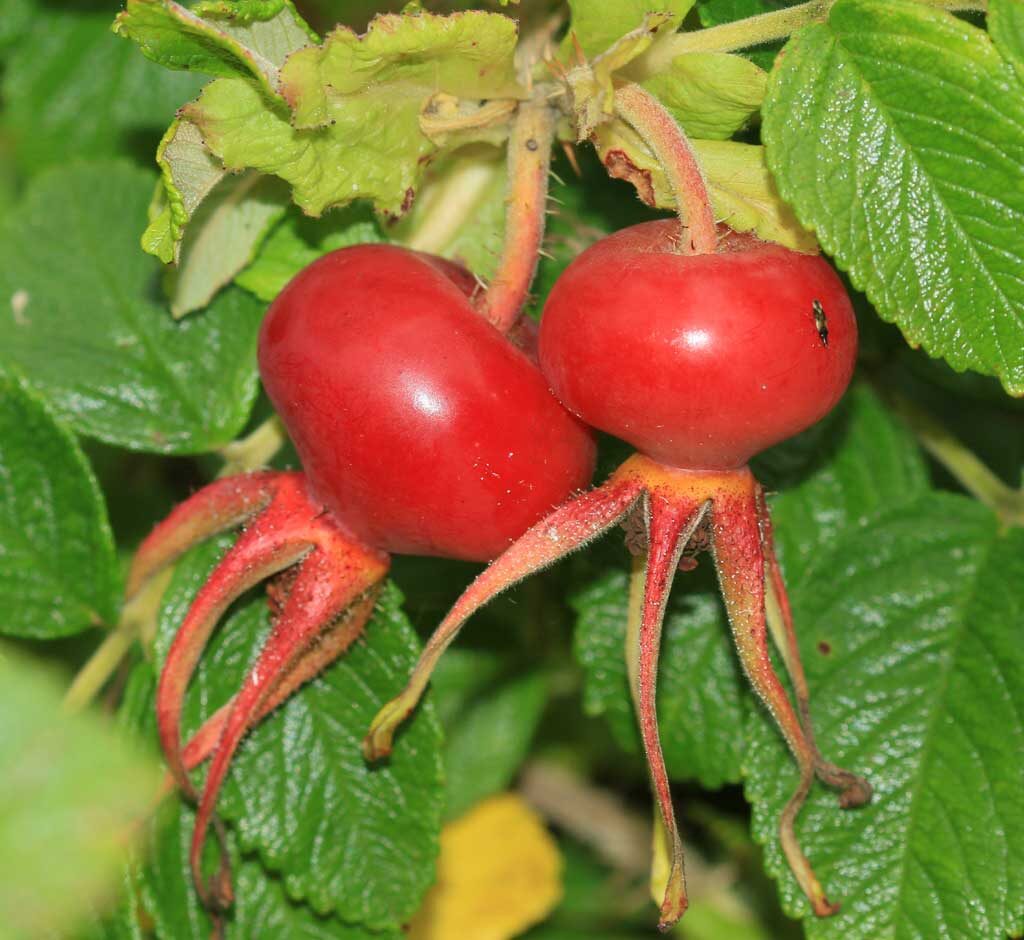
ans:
(670, 145)
(761, 29)
(255, 450)
(963, 464)
(139, 611)
(529, 160)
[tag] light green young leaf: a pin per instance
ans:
(597, 24)
(298, 241)
(223, 236)
(909, 628)
(346, 837)
(59, 573)
(355, 131)
(711, 94)
(742, 191)
(72, 90)
(244, 38)
(90, 334)
(913, 183)
(72, 792)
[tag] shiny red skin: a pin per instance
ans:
(420, 427)
(698, 361)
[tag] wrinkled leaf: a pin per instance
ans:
(597, 24)
(248, 38)
(346, 838)
(58, 571)
(90, 334)
(909, 629)
(913, 184)
(357, 103)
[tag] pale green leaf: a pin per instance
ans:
(244, 38)
(357, 104)
(72, 793)
(897, 132)
(58, 571)
(597, 24)
(711, 94)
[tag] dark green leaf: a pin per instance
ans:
(489, 720)
(897, 132)
(71, 792)
(346, 838)
(59, 573)
(72, 89)
(910, 629)
(701, 697)
(261, 909)
(91, 334)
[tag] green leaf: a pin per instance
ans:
(71, 793)
(719, 12)
(913, 183)
(90, 334)
(700, 687)
(460, 210)
(1005, 23)
(59, 573)
(223, 236)
(261, 909)
(909, 629)
(346, 838)
(597, 24)
(72, 90)
(711, 94)
(355, 131)
(248, 38)
(743, 194)
(489, 719)
(298, 241)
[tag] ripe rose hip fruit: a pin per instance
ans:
(700, 361)
(421, 429)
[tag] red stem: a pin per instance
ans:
(669, 143)
(529, 158)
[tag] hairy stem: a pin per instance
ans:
(529, 160)
(758, 30)
(969, 471)
(670, 145)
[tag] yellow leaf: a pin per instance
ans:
(499, 873)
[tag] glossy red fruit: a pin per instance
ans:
(699, 361)
(420, 427)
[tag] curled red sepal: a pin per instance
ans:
(563, 531)
(329, 594)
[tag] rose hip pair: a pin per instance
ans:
(421, 429)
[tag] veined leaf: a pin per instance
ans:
(90, 334)
(355, 131)
(346, 838)
(596, 24)
(244, 38)
(1005, 23)
(59, 572)
(897, 133)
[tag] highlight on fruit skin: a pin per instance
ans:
(701, 361)
(466, 449)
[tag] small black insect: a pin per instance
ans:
(820, 321)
